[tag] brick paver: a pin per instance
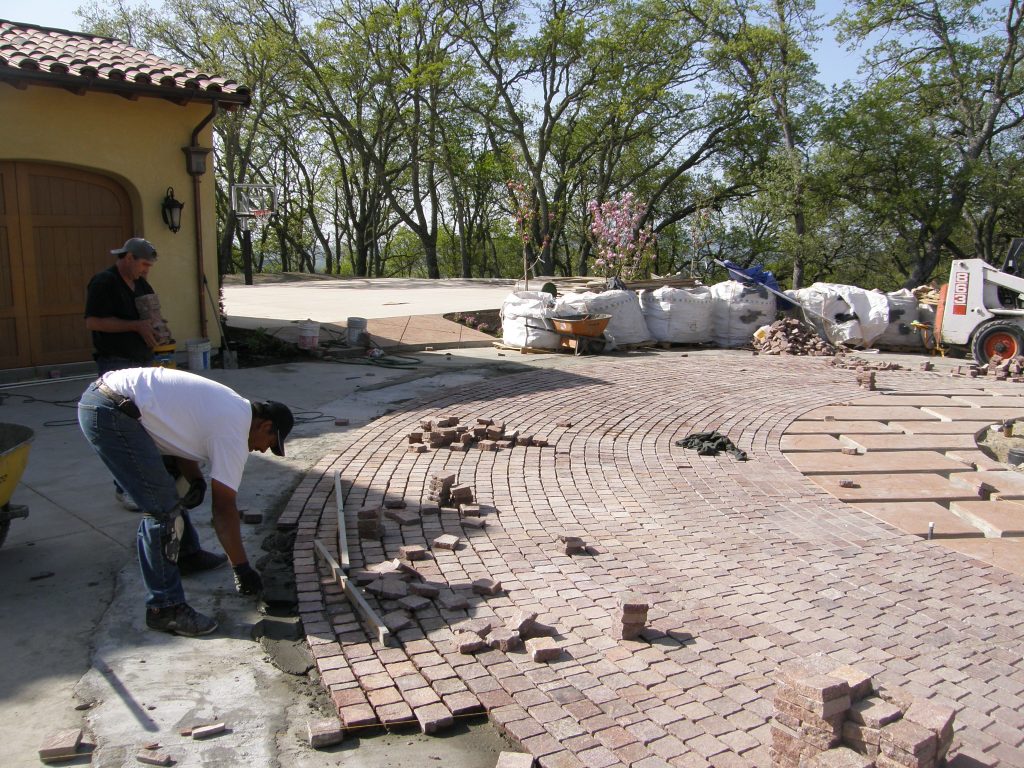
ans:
(745, 565)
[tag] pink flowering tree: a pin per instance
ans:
(621, 246)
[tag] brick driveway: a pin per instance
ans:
(746, 565)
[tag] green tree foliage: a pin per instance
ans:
(392, 127)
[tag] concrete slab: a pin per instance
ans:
(996, 518)
(900, 487)
(978, 459)
(899, 398)
(940, 427)
(796, 443)
(914, 517)
(840, 428)
(991, 401)
(898, 462)
(1006, 554)
(1006, 484)
(903, 442)
(992, 415)
(869, 413)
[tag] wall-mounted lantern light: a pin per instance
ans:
(171, 210)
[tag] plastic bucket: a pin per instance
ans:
(309, 335)
(198, 354)
(356, 328)
(1015, 456)
(163, 356)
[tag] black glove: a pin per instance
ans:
(195, 494)
(170, 540)
(247, 579)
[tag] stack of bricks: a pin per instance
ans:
(632, 616)
(1002, 368)
(486, 435)
(368, 522)
(866, 379)
(440, 489)
(462, 497)
(829, 715)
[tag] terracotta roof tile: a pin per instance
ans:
(44, 55)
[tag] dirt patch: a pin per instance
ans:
(484, 320)
(997, 445)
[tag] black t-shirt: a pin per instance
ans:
(109, 296)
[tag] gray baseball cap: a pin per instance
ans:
(137, 247)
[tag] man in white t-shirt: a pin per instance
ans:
(133, 417)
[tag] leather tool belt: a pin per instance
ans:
(122, 403)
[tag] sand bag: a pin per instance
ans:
(899, 333)
(525, 320)
(627, 324)
(678, 315)
(737, 310)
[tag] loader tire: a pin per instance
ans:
(5, 526)
(997, 337)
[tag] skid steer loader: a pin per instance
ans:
(982, 307)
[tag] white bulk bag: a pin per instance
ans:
(737, 310)
(525, 320)
(899, 334)
(678, 315)
(627, 324)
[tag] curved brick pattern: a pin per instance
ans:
(744, 566)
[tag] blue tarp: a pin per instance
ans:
(756, 274)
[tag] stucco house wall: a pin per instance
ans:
(139, 144)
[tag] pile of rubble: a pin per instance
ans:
(829, 714)
(793, 337)
(859, 364)
(999, 368)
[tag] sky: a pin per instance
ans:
(834, 63)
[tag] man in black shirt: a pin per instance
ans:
(122, 339)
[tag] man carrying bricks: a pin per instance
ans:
(134, 416)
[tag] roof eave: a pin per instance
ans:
(81, 85)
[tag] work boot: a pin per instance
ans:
(181, 619)
(126, 501)
(197, 562)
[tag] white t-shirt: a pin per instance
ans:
(191, 417)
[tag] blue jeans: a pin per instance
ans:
(136, 464)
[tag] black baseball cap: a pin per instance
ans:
(137, 247)
(281, 417)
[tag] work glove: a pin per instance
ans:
(170, 539)
(195, 494)
(247, 579)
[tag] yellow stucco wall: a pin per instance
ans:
(138, 143)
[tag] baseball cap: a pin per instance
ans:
(281, 417)
(137, 247)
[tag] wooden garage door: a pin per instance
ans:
(57, 226)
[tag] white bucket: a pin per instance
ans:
(198, 354)
(356, 328)
(309, 335)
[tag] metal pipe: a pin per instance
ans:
(198, 215)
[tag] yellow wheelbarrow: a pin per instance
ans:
(15, 441)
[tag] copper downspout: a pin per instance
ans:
(198, 209)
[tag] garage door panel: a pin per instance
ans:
(14, 322)
(57, 227)
(76, 254)
(54, 195)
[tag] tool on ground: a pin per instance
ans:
(711, 444)
(228, 356)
